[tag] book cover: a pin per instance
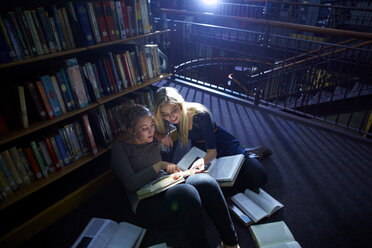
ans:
(93, 22)
(104, 231)
(82, 14)
(7, 173)
(33, 163)
(273, 235)
(57, 161)
(256, 205)
(51, 95)
(88, 131)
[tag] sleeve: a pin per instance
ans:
(207, 126)
(122, 167)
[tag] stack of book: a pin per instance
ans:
(49, 29)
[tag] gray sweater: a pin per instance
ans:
(133, 165)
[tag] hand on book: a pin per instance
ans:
(198, 166)
(171, 168)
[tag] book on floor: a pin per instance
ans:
(105, 233)
(223, 169)
(273, 235)
(162, 183)
(256, 205)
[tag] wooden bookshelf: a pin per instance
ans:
(78, 50)
(42, 182)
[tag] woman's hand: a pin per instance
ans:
(164, 139)
(197, 166)
(172, 168)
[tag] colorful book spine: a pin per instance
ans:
(93, 22)
(19, 165)
(40, 160)
(25, 163)
(20, 35)
(100, 17)
(67, 143)
(5, 34)
(62, 149)
(44, 21)
(7, 173)
(121, 70)
(114, 67)
(56, 150)
(120, 19)
(12, 168)
(36, 99)
(89, 133)
(81, 137)
(40, 32)
(23, 108)
(84, 22)
(109, 20)
(125, 18)
(33, 163)
(51, 95)
(60, 32)
(26, 31)
(75, 78)
(68, 88)
(58, 94)
(103, 77)
(55, 33)
(53, 155)
(68, 27)
(13, 39)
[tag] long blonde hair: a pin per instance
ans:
(170, 95)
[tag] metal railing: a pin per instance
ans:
(310, 77)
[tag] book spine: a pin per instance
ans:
(53, 155)
(67, 144)
(71, 134)
(25, 163)
(89, 133)
(51, 95)
(40, 160)
(121, 70)
(75, 78)
(56, 150)
(44, 20)
(36, 99)
(58, 94)
(22, 103)
(40, 32)
(63, 90)
(62, 149)
(103, 77)
(25, 46)
(34, 34)
(138, 17)
(4, 186)
(125, 18)
(68, 27)
(47, 158)
(93, 22)
(68, 88)
(100, 17)
(84, 22)
(109, 20)
(55, 33)
(81, 138)
(13, 39)
(110, 75)
(59, 28)
(116, 19)
(12, 53)
(34, 165)
(127, 69)
(131, 67)
(88, 71)
(12, 168)
(120, 20)
(64, 28)
(25, 29)
(102, 110)
(99, 83)
(8, 174)
(118, 82)
(18, 163)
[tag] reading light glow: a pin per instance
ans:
(210, 2)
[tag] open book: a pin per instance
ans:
(105, 233)
(223, 169)
(256, 206)
(162, 183)
(273, 235)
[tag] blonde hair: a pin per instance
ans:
(170, 95)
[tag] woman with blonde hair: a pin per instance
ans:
(195, 122)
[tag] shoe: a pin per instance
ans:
(259, 152)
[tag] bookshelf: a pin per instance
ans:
(50, 63)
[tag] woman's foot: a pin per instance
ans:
(259, 152)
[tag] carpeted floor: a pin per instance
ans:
(323, 178)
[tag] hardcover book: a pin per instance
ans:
(107, 233)
(256, 205)
(51, 94)
(273, 235)
(224, 169)
(84, 22)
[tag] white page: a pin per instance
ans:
(292, 244)
(126, 235)
(224, 168)
(271, 233)
(264, 200)
(99, 230)
(249, 207)
(189, 157)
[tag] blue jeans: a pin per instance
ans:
(181, 206)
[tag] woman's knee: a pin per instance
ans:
(184, 194)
